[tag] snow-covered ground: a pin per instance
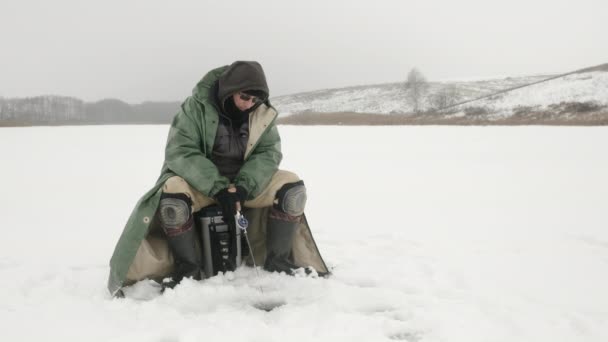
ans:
(584, 87)
(393, 98)
(434, 234)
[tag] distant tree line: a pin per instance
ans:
(68, 110)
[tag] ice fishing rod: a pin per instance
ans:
(243, 224)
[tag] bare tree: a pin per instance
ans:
(416, 86)
(445, 97)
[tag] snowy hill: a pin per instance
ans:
(586, 90)
(588, 87)
(467, 234)
(386, 98)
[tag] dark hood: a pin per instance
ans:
(241, 76)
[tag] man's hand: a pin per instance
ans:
(230, 200)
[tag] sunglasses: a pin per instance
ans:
(246, 97)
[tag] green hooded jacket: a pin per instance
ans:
(187, 154)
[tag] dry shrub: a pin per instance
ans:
(342, 118)
(525, 116)
(576, 107)
(476, 111)
(523, 111)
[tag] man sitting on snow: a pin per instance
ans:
(223, 148)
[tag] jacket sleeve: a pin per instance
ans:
(262, 164)
(185, 151)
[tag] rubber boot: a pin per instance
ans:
(280, 232)
(187, 261)
(178, 224)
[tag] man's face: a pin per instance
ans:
(244, 101)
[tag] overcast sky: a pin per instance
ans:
(157, 50)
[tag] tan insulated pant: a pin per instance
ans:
(153, 258)
(177, 184)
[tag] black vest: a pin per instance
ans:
(230, 146)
